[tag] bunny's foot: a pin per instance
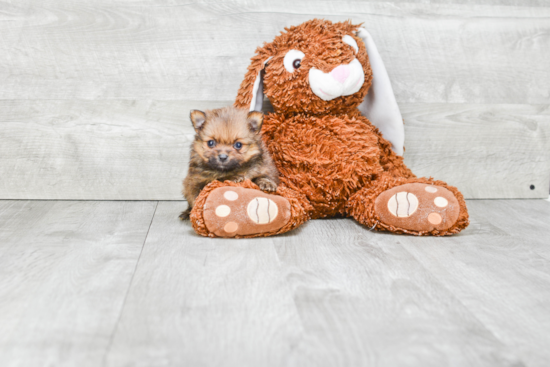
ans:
(236, 211)
(420, 208)
(241, 210)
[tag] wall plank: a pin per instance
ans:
(199, 50)
(487, 151)
(102, 150)
(138, 150)
(95, 98)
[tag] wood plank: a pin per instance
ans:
(444, 52)
(196, 301)
(487, 151)
(65, 268)
(105, 150)
(138, 150)
(364, 300)
(331, 293)
(503, 280)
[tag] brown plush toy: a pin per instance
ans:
(320, 77)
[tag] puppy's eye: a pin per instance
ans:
(238, 145)
(350, 41)
(293, 60)
(211, 143)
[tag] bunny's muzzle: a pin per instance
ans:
(343, 80)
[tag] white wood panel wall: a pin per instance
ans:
(95, 95)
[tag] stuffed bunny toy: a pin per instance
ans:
(336, 137)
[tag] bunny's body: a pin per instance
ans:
(314, 159)
(332, 159)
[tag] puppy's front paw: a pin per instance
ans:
(185, 214)
(238, 179)
(266, 184)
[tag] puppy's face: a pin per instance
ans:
(227, 137)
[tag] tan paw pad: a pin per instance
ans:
(230, 227)
(441, 202)
(403, 204)
(230, 195)
(434, 218)
(262, 210)
(418, 207)
(431, 189)
(223, 211)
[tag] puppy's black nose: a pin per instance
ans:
(222, 157)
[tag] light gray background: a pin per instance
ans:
(95, 95)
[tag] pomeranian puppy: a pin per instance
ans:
(227, 146)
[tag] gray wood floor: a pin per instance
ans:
(127, 284)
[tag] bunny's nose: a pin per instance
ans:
(340, 73)
(222, 157)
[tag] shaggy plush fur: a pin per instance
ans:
(332, 160)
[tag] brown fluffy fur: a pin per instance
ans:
(332, 160)
(226, 127)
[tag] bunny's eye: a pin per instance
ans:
(293, 60)
(350, 41)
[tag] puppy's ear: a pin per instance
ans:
(251, 91)
(198, 118)
(255, 120)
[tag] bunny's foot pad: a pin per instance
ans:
(236, 212)
(418, 207)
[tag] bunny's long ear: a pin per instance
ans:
(380, 106)
(251, 92)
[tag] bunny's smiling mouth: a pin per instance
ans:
(332, 97)
(322, 91)
(343, 80)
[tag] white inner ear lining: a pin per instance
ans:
(380, 105)
(350, 41)
(258, 90)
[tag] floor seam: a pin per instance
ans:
(115, 328)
